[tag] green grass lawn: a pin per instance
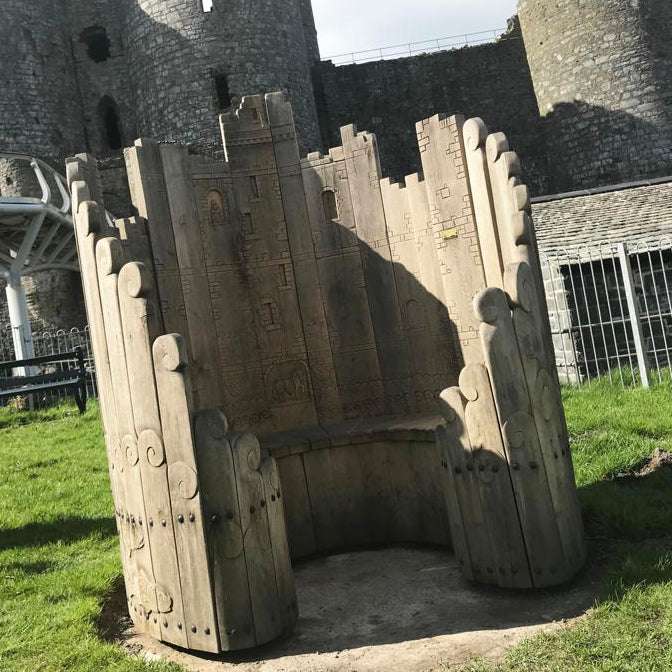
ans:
(59, 558)
(613, 431)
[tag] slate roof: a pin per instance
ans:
(630, 213)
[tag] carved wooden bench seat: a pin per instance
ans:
(373, 480)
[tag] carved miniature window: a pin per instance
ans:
(270, 314)
(283, 276)
(217, 208)
(110, 124)
(248, 225)
(330, 205)
(255, 187)
(97, 43)
(223, 94)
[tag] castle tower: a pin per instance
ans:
(38, 105)
(93, 75)
(601, 72)
(189, 61)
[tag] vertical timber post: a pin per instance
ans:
(633, 310)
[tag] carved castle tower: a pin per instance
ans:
(602, 74)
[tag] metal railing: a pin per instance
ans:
(424, 47)
(610, 307)
(54, 343)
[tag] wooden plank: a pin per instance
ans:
(407, 510)
(268, 621)
(267, 272)
(308, 290)
(496, 491)
(349, 494)
(547, 412)
(475, 134)
(88, 221)
(300, 526)
(169, 357)
(363, 174)
(521, 440)
(109, 258)
(224, 531)
(323, 493)
(205, 364)
(284, 577)
(140, 326)
(433, 521)
(517, 238)
(470, 534)
(150, 197)
(377, 501)
(458, 532)
(455, 233)
(341, 276)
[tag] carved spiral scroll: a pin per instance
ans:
(475, 133)
(519, 285)
(91, 217)
(517, 429)
(129, 448)
(496, 145)
(170, 351)
(490, 305)
(248, 445)
(183, 479)
(109, 256)
(136, 278)
(212, 423)
(150, 444)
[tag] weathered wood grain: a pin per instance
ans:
(284, 577)
(300, 526)
(268, 619)
(170, 361)
(512, 399)
(224, 531)
(509, 561)
(205, 365)
(140, 326)
(109, 259)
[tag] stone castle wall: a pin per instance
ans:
(603, 79)
(388, 97)
(39, 103)
(155, 69)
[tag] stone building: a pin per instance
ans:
(583, 88)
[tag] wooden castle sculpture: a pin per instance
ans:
(275, 344)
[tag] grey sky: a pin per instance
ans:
(354, 25)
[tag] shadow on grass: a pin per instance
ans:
(64, 530)
(629, 507)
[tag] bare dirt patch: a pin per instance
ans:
(393, 608)
(661, 459)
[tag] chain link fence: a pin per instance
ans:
(610, 307)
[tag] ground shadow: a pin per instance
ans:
(63, 530)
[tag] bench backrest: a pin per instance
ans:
(77, 354)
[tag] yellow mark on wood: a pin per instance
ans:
(449, 233)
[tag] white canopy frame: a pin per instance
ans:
(36, 234)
